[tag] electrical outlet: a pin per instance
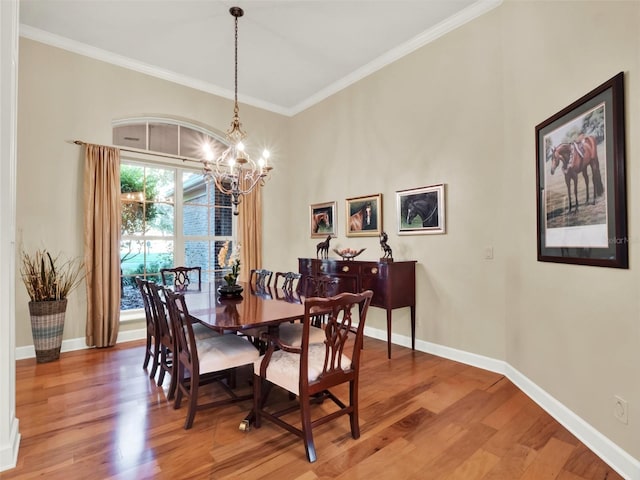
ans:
(488, 253)
(621, 409)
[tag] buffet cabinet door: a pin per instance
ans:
(373, 277)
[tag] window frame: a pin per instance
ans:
(147, 158)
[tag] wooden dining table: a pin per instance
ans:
(267, 307)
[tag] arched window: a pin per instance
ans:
(170, 215)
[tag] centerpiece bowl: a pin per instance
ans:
(349, 253)
(230, 291)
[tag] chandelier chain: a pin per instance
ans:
(236, 109)
(233, 171)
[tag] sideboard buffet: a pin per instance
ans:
(393, 283)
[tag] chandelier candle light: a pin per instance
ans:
(234, 172)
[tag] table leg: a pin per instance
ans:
(413, 327)
(389, 333)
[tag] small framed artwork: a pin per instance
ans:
(421, 210)
(323, 219)
(580, 180)
(364, 216)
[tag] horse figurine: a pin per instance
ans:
(575, 158)
(322, 249)
(425, 207)
(385, 246)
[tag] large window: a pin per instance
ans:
(170, 216)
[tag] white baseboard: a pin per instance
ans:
(9, 452)
(612, 454)
(626, 465)
(79, 343)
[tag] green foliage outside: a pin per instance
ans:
(141, 214)
(154, 264)
(136, 214)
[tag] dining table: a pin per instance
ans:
(254, 308)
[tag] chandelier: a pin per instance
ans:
(233, 171)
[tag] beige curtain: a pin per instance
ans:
(102, 244)
(250, 232)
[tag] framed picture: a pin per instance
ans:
(364, 216)
(421, 210)
(580, 179)
(323, 219)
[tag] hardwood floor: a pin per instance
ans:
(95, 414)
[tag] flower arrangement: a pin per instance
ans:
(231, 261)
(49, 278)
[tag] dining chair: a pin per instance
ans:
(291, 333)
(166, 344)
(152, 350)
(206, 360)
(322, 286)
(259, 283)
(311, 370)
(290, 281)
(181, 278)
(260, 278)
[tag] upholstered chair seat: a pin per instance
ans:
(284, 367)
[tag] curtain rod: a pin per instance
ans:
(145, 152)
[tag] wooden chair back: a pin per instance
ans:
(152, 347)
(183, 335)
(321, 286)
(146, 300)
(290, 281)
(182, 278)
(313, 369)
(260, 278)
(165, 337)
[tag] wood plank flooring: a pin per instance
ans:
(95, 414)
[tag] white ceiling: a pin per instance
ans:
(291, 53)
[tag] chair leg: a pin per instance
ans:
(163, 363)
(307, 434)
(174, 378)
(193, 403)
(179, 386)
(147, 353)
(156, 359)
(257, 405)
(353, 416)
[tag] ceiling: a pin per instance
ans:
(291, 53)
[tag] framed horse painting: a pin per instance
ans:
(323, 219)
(580, 177)
(364, 216)
(421, 210)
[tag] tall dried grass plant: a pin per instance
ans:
(50, 278)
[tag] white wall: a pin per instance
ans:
(463, 111)
(574, 330)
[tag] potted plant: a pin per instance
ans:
(230, 261)
(49, 280)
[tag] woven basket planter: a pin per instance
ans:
(47, 325)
